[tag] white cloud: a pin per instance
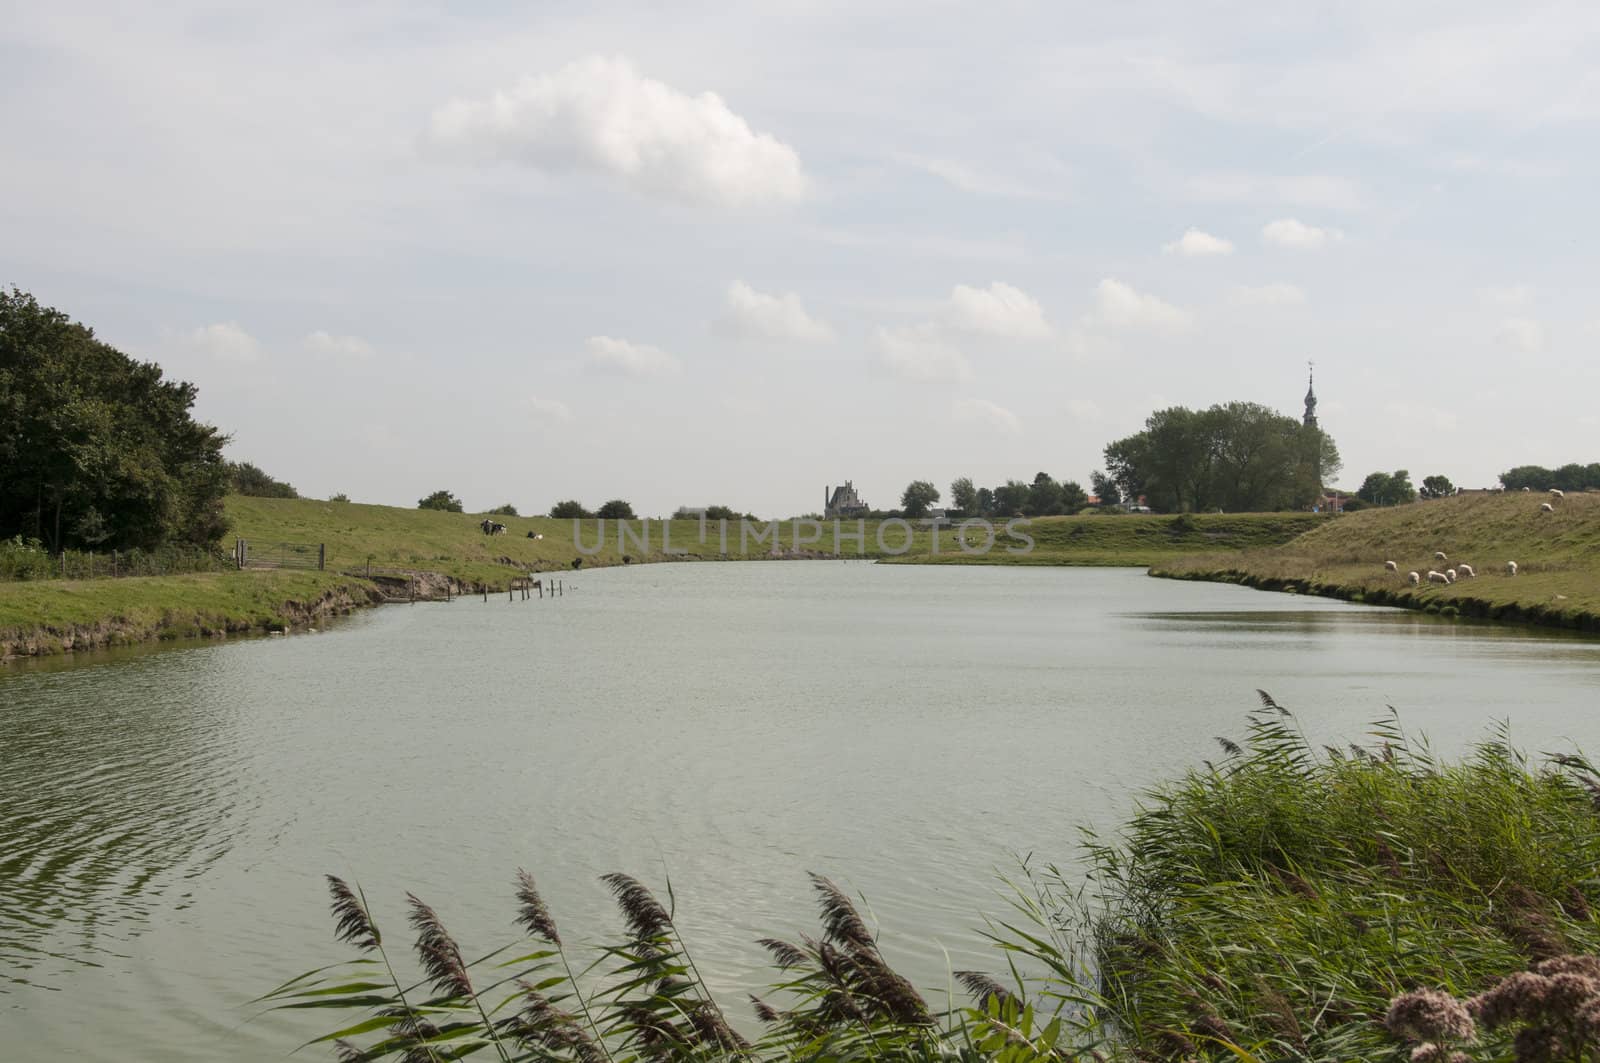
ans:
(1508, 297)
(553, 409)
(1522, 334)
(979, 182)
(984, 412)
(226, 341)
(1194, 243)
(998, 310)
(320, 342)
(601, 115)
(634, 359)
(1118, 305)
(1275, 294)
(1292, 232)
(1317, 191)
(921, 352)
(773, 317)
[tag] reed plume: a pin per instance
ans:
(842, 923)
(437, 951)
(784, 954)
(353, 924)
(644, 914)
(532, 914)
(982, 988)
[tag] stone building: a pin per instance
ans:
(842, 502)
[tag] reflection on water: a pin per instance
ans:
(165, 817)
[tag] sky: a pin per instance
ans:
(734, 254)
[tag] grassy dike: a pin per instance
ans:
(1557, 555)
(39, 618)
(50, 616)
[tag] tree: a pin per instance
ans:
(1437, 487)
(442, 500)
(985, 505)
(1240, 457)
(917, 497)
(339, 497)
(507, 510)
(1105, 488)
(616, 509)
(97, 449)
(963, 496)
(721, 513)
(1011, 498)
(1073, 497)
(249, 480)
(569, 510)
(1044, 496)
(1387, 489)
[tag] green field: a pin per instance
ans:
(452, 543)
(49, 616)
(386, 541)
(1557, 556)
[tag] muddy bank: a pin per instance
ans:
(170, 624)
(1554, 613)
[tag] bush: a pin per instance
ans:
(440, 500)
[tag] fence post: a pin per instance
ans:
(113, 564)
(63, 563)
(91, 564)
(322, 555)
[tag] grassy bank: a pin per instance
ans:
(52, 616)
(452, 543)
(1557, 556)
(1269, 906)
(48, 616)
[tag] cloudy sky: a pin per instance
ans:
(736, 253)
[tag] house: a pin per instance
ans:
(842, 502)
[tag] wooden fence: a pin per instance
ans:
(250, 553)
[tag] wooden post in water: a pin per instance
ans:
(485, 588)
(413, 590)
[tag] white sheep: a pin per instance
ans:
(1466, 570)
(1511, 568)
(1450, 574)
(1545, 507)
(1438, 555)
(1556, 492)
(1527, 489)
(1436, 577)
(1414, 578)
(1391, 566)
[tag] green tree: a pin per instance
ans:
(1073, 496)
(985, 503)
(1436, 487)
(721, 513)
(616, 509)
(1105, 488)
(252, 481)
(1044, 497)
(569, 510)
(917, 497)
(97, 449)
(1240, 457)
(1011, 499)
(963, 496)
(442, 500)
(507, 510)
(1387, 488)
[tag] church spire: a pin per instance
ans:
(1311, 395)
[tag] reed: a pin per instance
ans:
(1284, 902)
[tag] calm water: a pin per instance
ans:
(165, 818)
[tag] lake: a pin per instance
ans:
(166, 817)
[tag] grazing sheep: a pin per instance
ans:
(1438, 555)
(1545, 507)
(1391, 566)
(1437, 577)
(1466, 570)
(1511, 568)
(1414, 578)
(1450, 574)
(1556, 492)
(1527, 489)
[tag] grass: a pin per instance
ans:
(1557, 555)
(1269, 906)
(48, 616)
(452, 543)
